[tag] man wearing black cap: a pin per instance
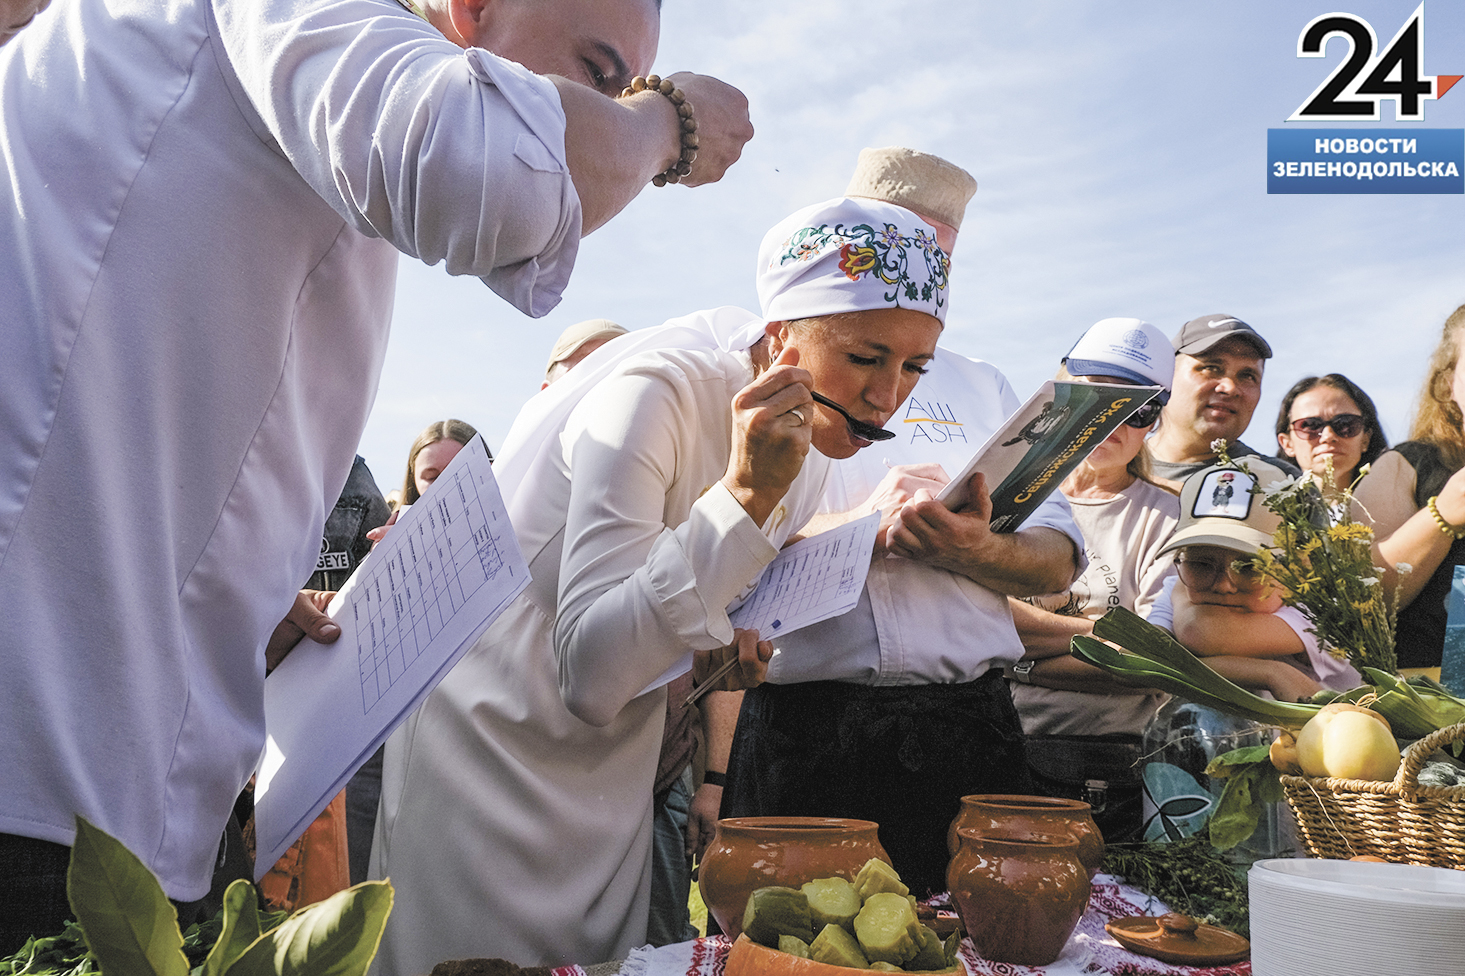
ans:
(1219, 361)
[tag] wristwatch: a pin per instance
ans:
(1022, 669)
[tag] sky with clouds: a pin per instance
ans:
(1120, 149)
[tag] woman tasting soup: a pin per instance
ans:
(516, 805)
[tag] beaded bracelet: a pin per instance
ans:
(1445, 527)
(683, 165)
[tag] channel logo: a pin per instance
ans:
(1367, 159)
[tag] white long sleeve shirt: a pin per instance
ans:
(516, 802)
(202, 208)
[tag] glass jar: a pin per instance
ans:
(1179, 798)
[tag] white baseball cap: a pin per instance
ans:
(1130, 349)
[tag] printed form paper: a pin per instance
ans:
(812, 580)
(448, 567)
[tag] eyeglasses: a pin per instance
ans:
(1344, 425)
(1146, 415)
(1202, 574)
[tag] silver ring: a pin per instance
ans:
(796, 413)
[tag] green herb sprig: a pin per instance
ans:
(1189, 875)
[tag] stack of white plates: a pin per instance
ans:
(1356, 918)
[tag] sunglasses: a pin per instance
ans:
(1344, 425)
(1146, 415)
(1203, 574)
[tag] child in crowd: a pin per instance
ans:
(1224, 610)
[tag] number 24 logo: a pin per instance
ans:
(1356, 87)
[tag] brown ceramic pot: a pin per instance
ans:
(1020, 896)
(755, 852)
(1032, 814)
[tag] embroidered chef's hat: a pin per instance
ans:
(851, 255)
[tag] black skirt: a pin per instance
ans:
(901, 756)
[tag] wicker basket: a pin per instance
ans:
(1400, 821)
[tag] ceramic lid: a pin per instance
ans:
(1179, 939)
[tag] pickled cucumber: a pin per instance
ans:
(837, 947)
(832, 901)
(885, 967)
(877, 876)
(794, 946)
(776, 911)
(888, 929)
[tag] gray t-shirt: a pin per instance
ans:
(1178, 471)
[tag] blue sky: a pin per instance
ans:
(1120, 152)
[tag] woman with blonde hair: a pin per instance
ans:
(1415, 498)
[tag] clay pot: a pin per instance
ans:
(1020, 896)
(755, 852)
(1032, 814)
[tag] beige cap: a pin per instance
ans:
(926, 184)
(577, 335)
(1220, 506)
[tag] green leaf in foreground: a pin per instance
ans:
(335, 937)
(1225, 764)
(130, 925)
(241, 927)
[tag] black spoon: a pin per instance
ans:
(859, 428)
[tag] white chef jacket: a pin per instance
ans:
(916, 624)
(510, 826)
(202, 208)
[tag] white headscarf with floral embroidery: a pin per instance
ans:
(892, 260)
(851, 255)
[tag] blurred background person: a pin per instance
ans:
(1083, 726)
(577, 342)
(429, 454)
(1223, 609)
(1415, 498)
(332, 855)
(432, 451)
(1329, 422)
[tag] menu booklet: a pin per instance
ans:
(1042, 443)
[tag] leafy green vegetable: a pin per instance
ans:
(1252, 783)
(1413, 710)
(132, 928)
(240, 928)
(57, 955)
(1151, 657)
(130, 925)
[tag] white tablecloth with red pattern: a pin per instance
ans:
(1090, 950)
